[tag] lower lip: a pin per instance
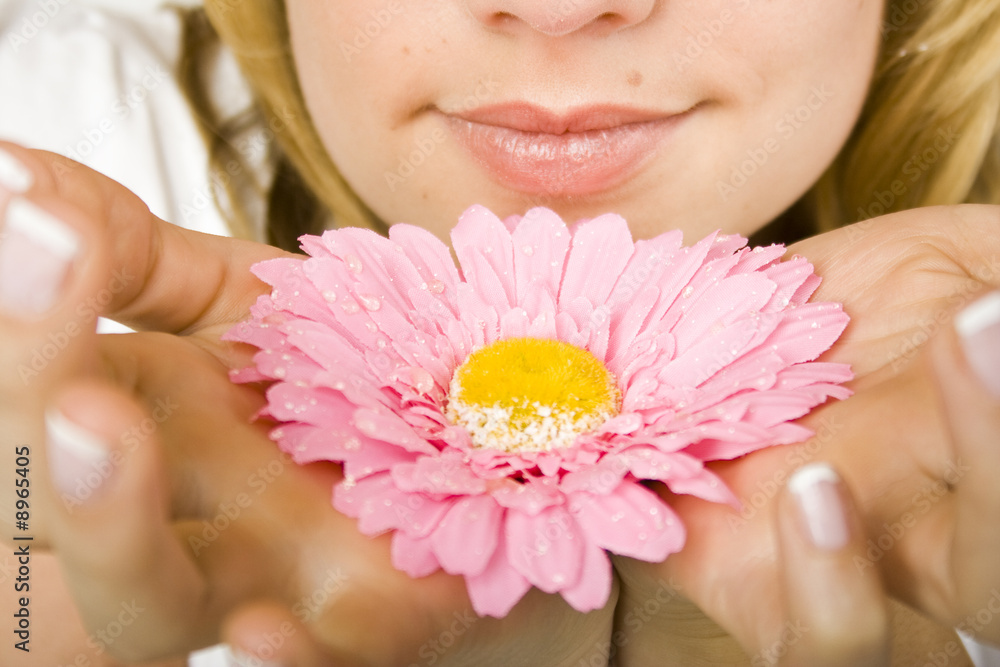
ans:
(569, 164)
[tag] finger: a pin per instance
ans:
(51, 262)
(267, 634)
(966, 363)
(168, 278)
(836, 612)
(121, 559)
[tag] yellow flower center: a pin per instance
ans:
(531, 394)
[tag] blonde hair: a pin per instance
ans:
(928, 133)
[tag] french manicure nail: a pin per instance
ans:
(78, 459)
(978, 327)
(36, 251)
(815, 489)
(241, 659)
(15, 178)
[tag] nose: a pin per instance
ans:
(560, 17)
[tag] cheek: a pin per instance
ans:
(791, 79)
(350, 59)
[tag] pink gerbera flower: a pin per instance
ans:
(501, 417)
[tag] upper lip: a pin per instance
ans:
(527, 117)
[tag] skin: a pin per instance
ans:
(762, 66)
(371, 108)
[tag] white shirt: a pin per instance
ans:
(96, 86)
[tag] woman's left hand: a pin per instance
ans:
(916, 445)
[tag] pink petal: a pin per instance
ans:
(438, 474)
(705, 485)
(486, 255)
(790, 276)
(429, 255)
(361, 456)
(546, 548)
(389, 427)
(594, 588)
(379, 506)
(760, 257)
(807, 331)
(465, 539)
(529, 498)
(631, 521)
(604, 241)
(722, 305)
(599, 479)
(802, 375)
(627, 324)
(499, 587)
(540, 242)
(413, 556)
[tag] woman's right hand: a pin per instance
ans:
(166, 503)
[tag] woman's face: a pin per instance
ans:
(690, 114)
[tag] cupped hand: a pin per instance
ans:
(915, 447)
(166, 502)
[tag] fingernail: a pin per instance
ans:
(15, 178)
(241, 659)
(36, 251)
(978, 327)
(78, 459)
(815, 488)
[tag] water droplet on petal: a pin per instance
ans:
(688, 291)
(353, 264)
(371, 303)
(436, 286)
(279, 372)
(423, 381)
(528, 250)
(330, 296)
(350, 307)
